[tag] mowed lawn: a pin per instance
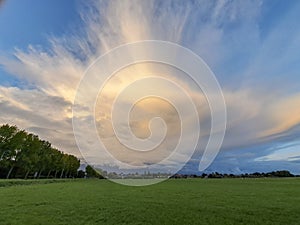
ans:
(183, 202)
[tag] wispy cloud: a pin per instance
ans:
(227, 34)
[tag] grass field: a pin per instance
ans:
(190, 201)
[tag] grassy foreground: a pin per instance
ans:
(191, 201)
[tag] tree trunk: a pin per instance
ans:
(67, 173)
(40, 174)
(27, 173)
(56, 171)
(48, 174)
(62, 172)
(9, 172)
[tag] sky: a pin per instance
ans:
(252, 47)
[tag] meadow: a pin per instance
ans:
(177, 201)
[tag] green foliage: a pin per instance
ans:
(24, 155)
(92, 173)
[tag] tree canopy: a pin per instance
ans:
(24, 155)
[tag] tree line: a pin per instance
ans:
(25, 155)
(279, 173)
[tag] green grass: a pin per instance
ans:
(15, 182)
(183, 202)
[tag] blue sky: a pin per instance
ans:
(251, 46)
(31, 21)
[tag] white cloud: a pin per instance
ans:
(215, 31)
(289, 152)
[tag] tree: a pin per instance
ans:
(14, 148)
(92, 173)
(22, 154)
(80, 174)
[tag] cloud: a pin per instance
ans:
(285, 152)
(225, 33)
(56, 73)
(35, 111)
(258, 117)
